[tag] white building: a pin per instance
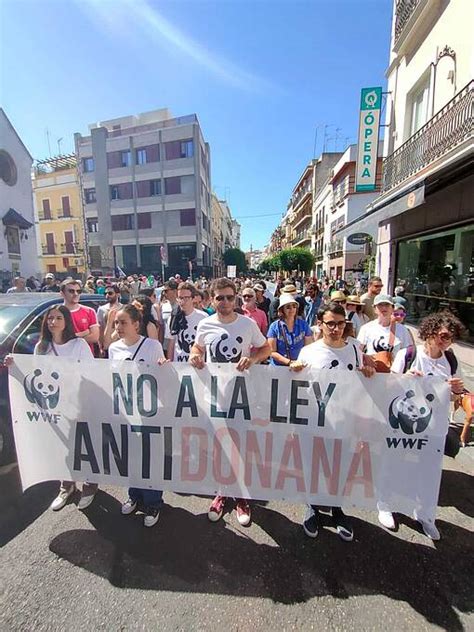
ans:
(18, 251)
(426, 210)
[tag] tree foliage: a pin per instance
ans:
(235, 257)
(297, 259)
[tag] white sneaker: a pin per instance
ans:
(151, 518)
(86, 498)
(128, 507)
(61, 499)
(430, 530)
(386, 519)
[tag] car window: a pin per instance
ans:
(10, 317)
(26, 342)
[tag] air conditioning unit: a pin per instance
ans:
(79, 261)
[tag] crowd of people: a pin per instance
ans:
(302, 324)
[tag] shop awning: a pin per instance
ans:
(13, 218)
(383, 210)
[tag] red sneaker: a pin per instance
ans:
(244, 514)
(216, 509)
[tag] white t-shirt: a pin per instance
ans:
(150, 351)
(103, 313)
(374, 337)
(319, 355)
(354, 318)
(438, 367)
(77, 349)
(228, 342)
(184, 340)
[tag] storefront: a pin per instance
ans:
(437, 270)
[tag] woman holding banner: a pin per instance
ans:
(136, 348)
(58, 338)
(332, 352)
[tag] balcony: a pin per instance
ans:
(448, 129)
(301, 237)
(403, 12)
(71, 248)
(48, 249)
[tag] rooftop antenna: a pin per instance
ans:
(336, 138)
(59, 146)
(49, 143)
(326, 136)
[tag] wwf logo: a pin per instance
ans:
(42, 389)
(409, 413)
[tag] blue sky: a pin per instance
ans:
(260, 75)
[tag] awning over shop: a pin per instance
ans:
(384, 210)
(13, 218)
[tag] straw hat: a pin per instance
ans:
(337, 295)
(354, 300)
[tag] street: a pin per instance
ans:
(100, 570)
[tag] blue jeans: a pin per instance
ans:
(152, 498)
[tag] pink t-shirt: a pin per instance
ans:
(83, 318)
(259, 316)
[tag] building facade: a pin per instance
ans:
(18, 250)
(217, 220)
(59, 218)
(426, 209)
(145, 183)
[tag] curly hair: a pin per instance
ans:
(431, 325)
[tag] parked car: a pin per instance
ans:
(21, 316)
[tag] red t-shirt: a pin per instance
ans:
(83, 318)
(259, 316)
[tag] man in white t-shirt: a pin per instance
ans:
(383, 334)
(181, 331)
(331, 352)
(228, 337)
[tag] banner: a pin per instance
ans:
(367, 147)
(231, 272)
(325, 437)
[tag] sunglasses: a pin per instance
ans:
(399, 314)
(332, 324)
(340, 301)
(225, 297)
(73, 291)
(110, 294)
(445, 337)
(246, 296)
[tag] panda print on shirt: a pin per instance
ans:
(321, 356)
(228, 342)
(187, 335)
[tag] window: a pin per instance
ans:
(121, 191)
(88, 164)
(66, 208)
(50, 245)
(141, 157)
(46, 209)
(126, 159)
(8, 172)
(188, 217)
(114, 192)
(122, 222)
(187, 149)
(144, 220)
(419, 105)
(13, 240)
(93, 225)
(155, 187)
(89, 196)
(172, 185)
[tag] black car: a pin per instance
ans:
(20, 325)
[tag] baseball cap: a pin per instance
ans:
(258, 288)
(49, 276)
(383, 298)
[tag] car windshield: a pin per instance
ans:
(10, 316)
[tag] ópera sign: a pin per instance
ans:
(367, 149)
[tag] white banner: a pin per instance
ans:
(325, 437)
(231, 272)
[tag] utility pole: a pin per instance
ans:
(49, 143)
(59, 146)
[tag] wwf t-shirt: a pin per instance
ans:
(76, 349)
(438, 367)
(185, 338)
(146, 350)
(374, 337)
(228, 342)
(319, 355)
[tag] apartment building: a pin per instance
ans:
(217, 220)
(58, 216)
(145, 182)
(426, 208)
(344, 205)
(18, 237)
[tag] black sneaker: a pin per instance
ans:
(311, 523)
(343, 524)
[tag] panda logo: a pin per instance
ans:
(382, 345)
(42, 389)
(186, 338)
(226, 349)
(335, 363)
(410, 415)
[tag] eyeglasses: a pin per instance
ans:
(445, 337)
(225, 297)
(332, 324)
(71, 291)
(110, 294)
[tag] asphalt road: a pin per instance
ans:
(98, 570)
